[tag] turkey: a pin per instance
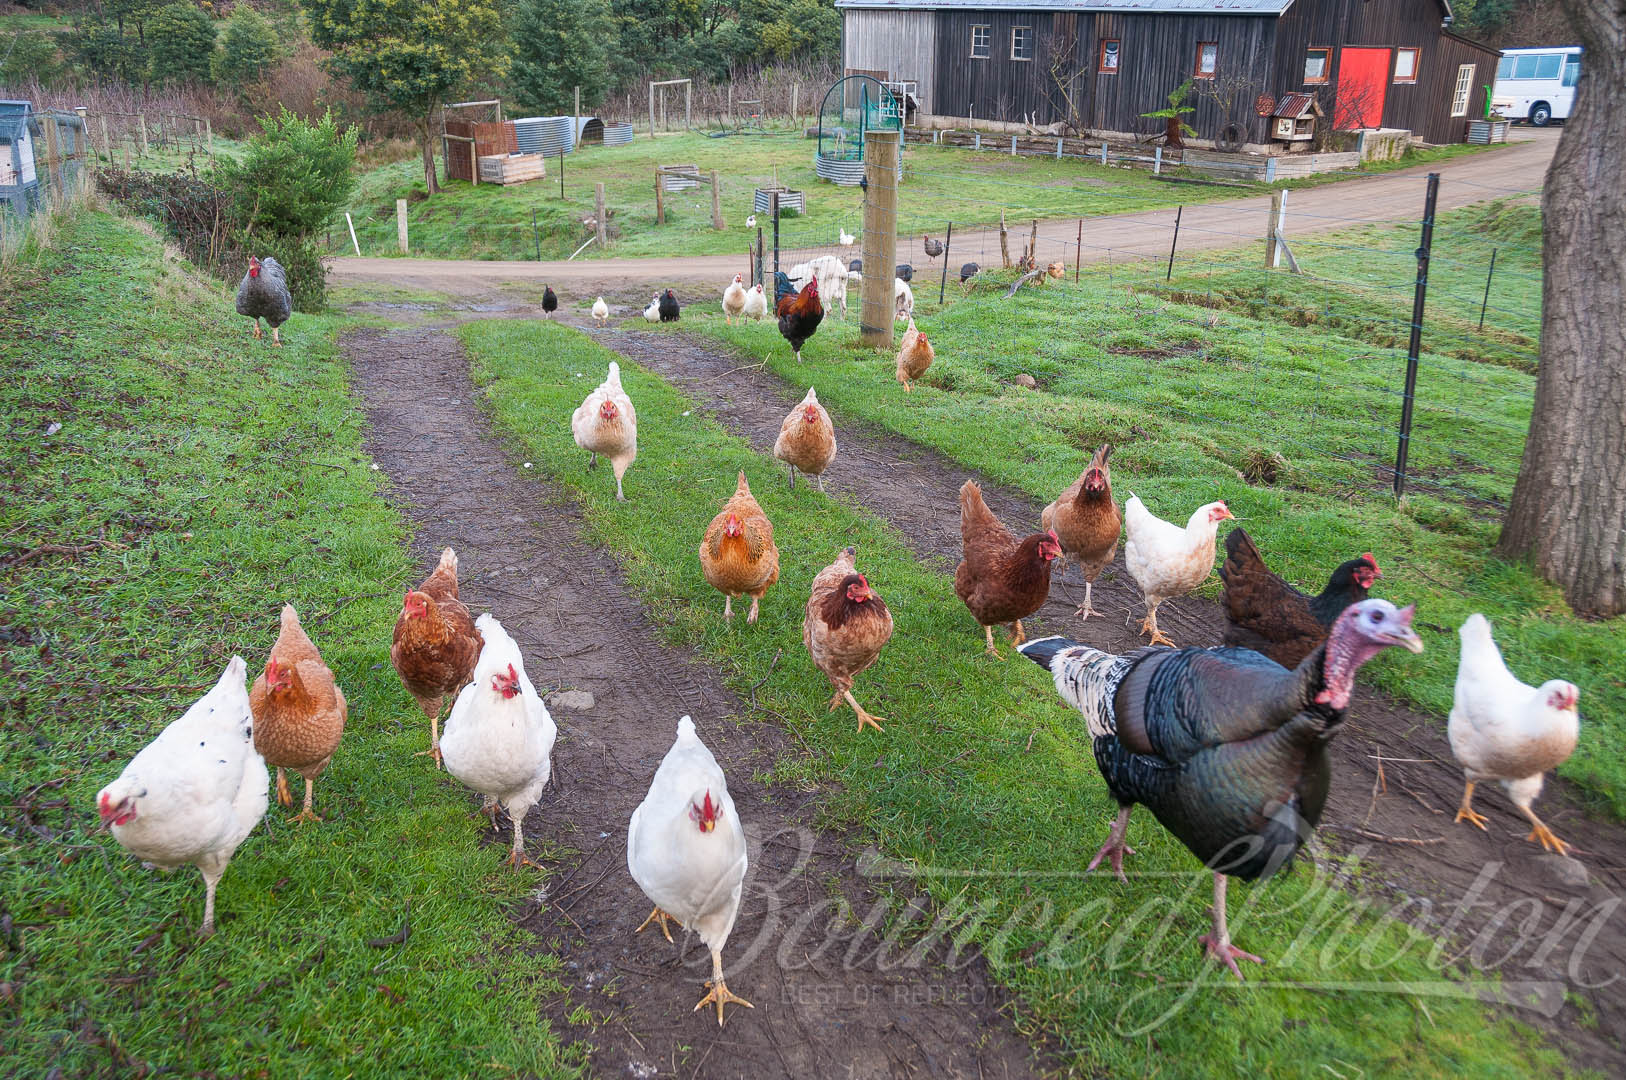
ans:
(263, 294)
(1226, 747)
(1504, 729)
(196, 791)
(686, 851)
(499, 738)
(969, 271)
(933, 248)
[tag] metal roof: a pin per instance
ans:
(1161, 7)
(14, 115)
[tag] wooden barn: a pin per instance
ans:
(1097, 65)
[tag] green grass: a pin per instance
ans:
(1188, 396)
(982, 769)
(219, 478)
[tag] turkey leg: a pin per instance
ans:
(1115, 846)
(1218, 943)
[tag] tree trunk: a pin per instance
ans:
(1172, 134)
(1568, 512)
(426, 135)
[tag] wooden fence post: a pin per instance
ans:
(877, 323)
(688, 106)
(53, 159)
(107, 143)
(716, 201)
(209, 134)
(660, 199)
(598, 214)
(1273, 228)
(795, 102)
(576, 133)
(141, 118)
(1004, 241)
(401, 224)
(651, 110)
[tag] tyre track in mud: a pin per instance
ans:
(1400, 822)
(523, 557)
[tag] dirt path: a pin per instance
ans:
(1407, 832)
(523, 558)
(1203, 226)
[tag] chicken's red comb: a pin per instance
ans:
(1369, 557)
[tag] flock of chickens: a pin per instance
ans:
(1227, 746)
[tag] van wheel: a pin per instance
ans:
(1541, 114)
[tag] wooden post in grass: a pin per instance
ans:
(660, 199)
(576, 131)
(1273, 256)
(688, 105)
(53, 160)
(651, 110)
(716, 201)
(795, 102)
(1004, 241)
(141, 119)
(876, 323)
(401, 224)
(598, 214)
(1078, 263)
(209, 136)
(107, 143)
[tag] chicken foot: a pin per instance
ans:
(517, 857)
(658, 917)
(1542, 833)
(751, 617)
(1218, 944)
(792, 477)
(1149, 625)
(1115, 846)
(988, 632)
(592, 459)
(728, 607)
(434, 742)
(864, 716)
(275, 338)
(284, 798)
(820, 479)
(255, 326)
(307, 814)
(1019, 636)
(719, 991)
(1085, 610)
(1465, 812)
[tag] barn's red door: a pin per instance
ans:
(1363, 76)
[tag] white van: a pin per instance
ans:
(1537, 85)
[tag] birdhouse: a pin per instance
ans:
(1294, 118)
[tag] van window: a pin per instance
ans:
(1572, 70)
(1547, 66)
(1504, 70)
(1524, 67)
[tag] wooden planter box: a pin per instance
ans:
(511, 168)
(1485, 132)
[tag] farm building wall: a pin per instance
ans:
(892, 45)
(1421, 104)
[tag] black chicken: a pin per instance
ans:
(550, 300)
(904, 272)
(968, 271)
(1268, 615)
(668, 307)
(799, 312)
(263, 294)
(1227, 748)
(934, 248)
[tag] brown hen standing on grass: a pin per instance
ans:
(738, 556)
(807, 439)
(1268, 615)
(299, 711)
(915, 355)
(1086, 521)
(845, 629)
(436, 645)
(1000, 578)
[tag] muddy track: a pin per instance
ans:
(1407, 832)
(523, 557)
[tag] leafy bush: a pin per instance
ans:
(248, 47)
(181, 44)
(294, 175)
(29, 54)
(557, 47)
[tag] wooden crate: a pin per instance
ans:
(511, 168)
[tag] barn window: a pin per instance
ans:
(1465, 88)
(1406, 65)
(980, 36)
(1315, 64)
(1021, 43)
(1207, 59)
(1109, 56)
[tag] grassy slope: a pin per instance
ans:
(943, 185)
(1188, 395)
(231, 478)
(980, 768)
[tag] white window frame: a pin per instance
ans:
(1014, 31)
(1463, 92)
(1198, 72)
(987, 41)
(1416, 63)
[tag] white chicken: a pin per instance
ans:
(903, 299)
(606, 424)
(499, 738)
(601, 311)
(1166, 560)
(196, 791)
(751, 221)
(734, 299)
(686, 851)
(756, 303)
(1503, 729)
(847, 238)
(652, 313)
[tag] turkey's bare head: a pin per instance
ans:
(1361, 632)
(705, 813)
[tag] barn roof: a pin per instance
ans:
(1172, 7)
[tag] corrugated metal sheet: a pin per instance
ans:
(549, 135)
(617, 134)
(901, 44)
(1175, 7)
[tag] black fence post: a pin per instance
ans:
(1416, 343)
(761, 268)
(1486, 300)
(536, 235)
(561, 174)
(776, 239)
(1177, 212)
(943, 284)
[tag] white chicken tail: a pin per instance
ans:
(448, 560)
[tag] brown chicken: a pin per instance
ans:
(299, 711)
(1086, 521)
(1269, 616)
(845, 629)
(915, 355)
(807, 439)
(737, 555)
(436, 644)
(1000, 578)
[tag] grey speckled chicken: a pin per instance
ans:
(263, 294)
(1226, 747)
